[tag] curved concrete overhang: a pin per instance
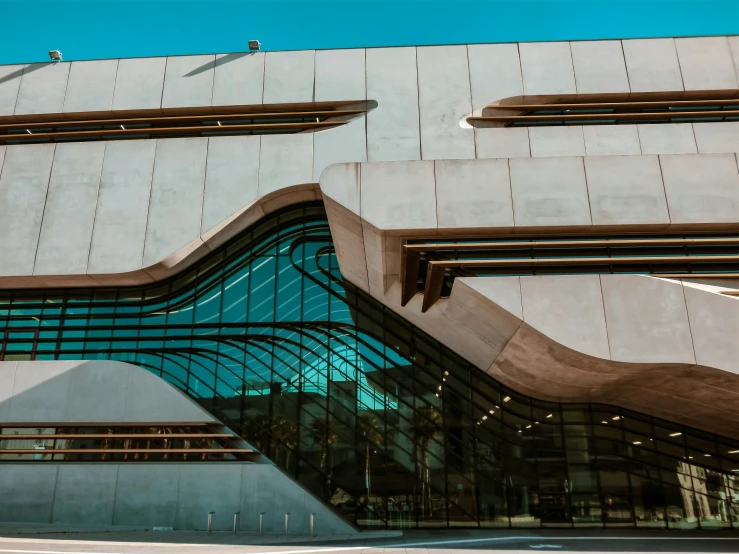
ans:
(184, 257)
(664, 347)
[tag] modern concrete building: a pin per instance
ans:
(492, 285)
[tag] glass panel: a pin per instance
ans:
(368, 413)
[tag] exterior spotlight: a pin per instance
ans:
(55, 55)
(254, 46)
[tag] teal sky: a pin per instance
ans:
(88, 29)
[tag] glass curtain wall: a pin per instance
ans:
(389, 427)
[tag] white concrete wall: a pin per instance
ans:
(145, 495)
(520, 194)
(100, 390)
(423, 97)
(176, 495)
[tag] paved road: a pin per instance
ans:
(421, 542)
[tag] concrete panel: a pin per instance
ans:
(122, 208)
(10, 82)
(139, 83)
(652, 65)
(599, 66)
(23, 185)
(85, 494)
(340, 75)
(647, 320)
(347, 143)
(266, 489)
(146, 495)
(611, 140)
(340, 182)
(444, 101)
(7, 380)
(97, 391)
(188, 81)
(27, 492)
(667, 138)
(151, 398)
(568, 309)
(692, 198)
(495, 73)
(66, 232)
(734, 47)
(714, 325)
(285, 160)
(289, 76)
(239, 79)
(176, 197)
(399, 195)
(502, 143)
(549, 192)
(393, 127)
(207, 488)
(40, 391)
(556, 141)
(42, 88)
(473, 193)
(231, 178)
(626, 190)
(706, 63)
(90, 86)
(503, 291)
(717, 138)
(547, 68)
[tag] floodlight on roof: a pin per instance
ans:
(254, 46)
(55, 55)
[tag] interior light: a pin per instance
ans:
(492, 412)
(616, 418)
(706, 455)
(637, 442)
(484, 417)
(733, 451)
(446, 373)
(675, 434)
(604, 422)
(550, 415)
(528, 427)
(439, 387)
(506, 399)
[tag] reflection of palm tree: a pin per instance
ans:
(325, 432)
(284, 432)
(427, 426)
(370, 431)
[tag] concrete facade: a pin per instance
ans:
(423, 96)
(120, 213)
(176, 495)
(161, 494)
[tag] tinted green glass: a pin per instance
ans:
(382, 422)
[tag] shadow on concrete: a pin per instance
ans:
(19, 72)
(218, 61)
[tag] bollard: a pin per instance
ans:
(236, 521)
(210, 522)
(287, 521)
(312, 521)
(261, 520)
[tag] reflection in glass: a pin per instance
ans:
(386, 425)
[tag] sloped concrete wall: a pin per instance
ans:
(178, 495)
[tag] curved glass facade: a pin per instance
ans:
(384, 423)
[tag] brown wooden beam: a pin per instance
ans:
(433, 247)
(604, 116)
(434, 285)
(409, 264)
